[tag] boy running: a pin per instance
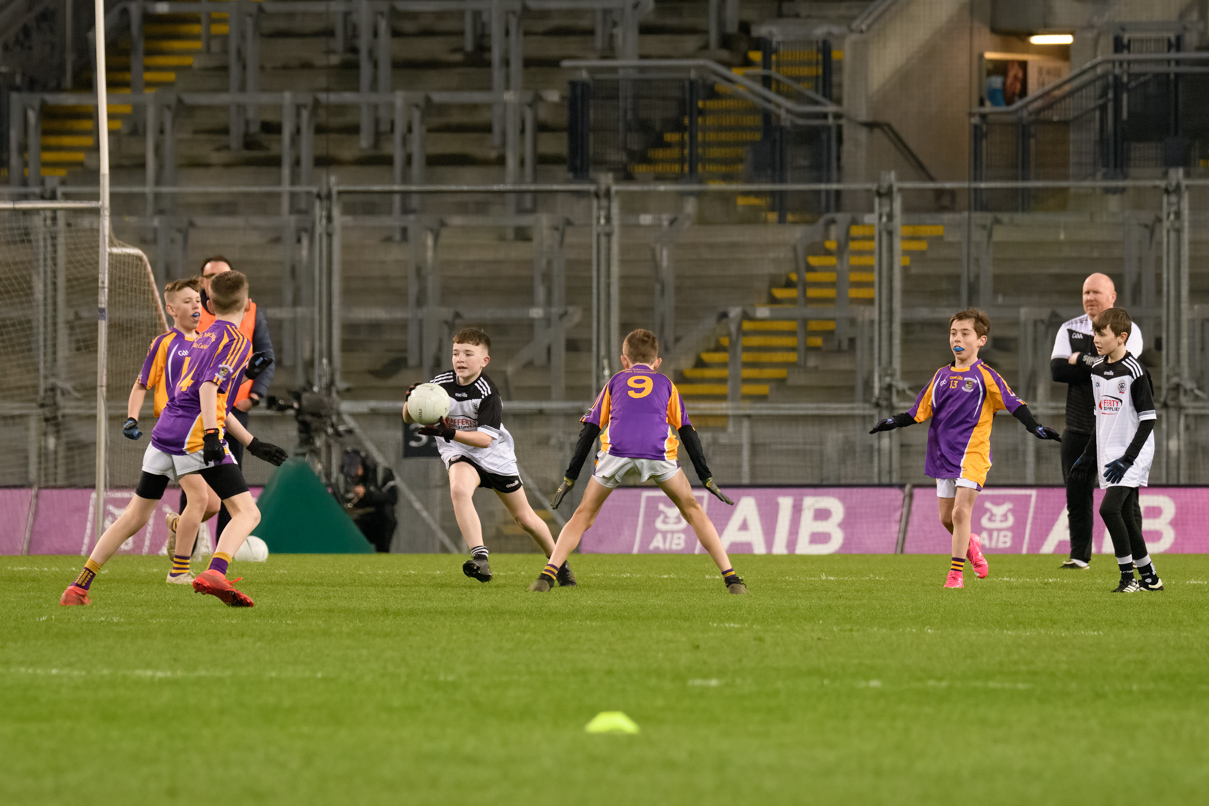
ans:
(187, 446)
(161, 371)
(1123, 439)
(962, 399)
(478, 452)
(638, 417)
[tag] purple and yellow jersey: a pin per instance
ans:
(162, 367)
(961, 403)
(638, 413)
(218, 355)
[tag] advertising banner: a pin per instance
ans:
(63, 518)
(1032, 520)
(764, 520)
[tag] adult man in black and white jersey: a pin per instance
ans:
(478, 451)
(1071, 363)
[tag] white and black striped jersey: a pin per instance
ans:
(1075, 336)
(1124, 396)
(477, 407)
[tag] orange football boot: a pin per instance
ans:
(216, 584)
(74, 595)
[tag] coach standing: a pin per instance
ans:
(1071, 363)
(256, 328)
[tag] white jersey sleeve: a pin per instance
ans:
(1062, 347)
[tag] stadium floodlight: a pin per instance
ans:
(1051, 39)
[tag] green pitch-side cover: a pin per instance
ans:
(299, 516)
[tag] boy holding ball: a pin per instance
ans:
(478, 452)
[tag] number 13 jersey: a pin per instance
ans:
(638, 413)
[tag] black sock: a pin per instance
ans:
(1126, 566)
(479, 552)
(1145, 567)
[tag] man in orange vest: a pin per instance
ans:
(256, 328)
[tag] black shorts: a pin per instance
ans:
(225, 480)
(492, 481)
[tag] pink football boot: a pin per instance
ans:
(955, 580)
(974, 555)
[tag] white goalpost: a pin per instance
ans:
(102, 269)
(79, 308)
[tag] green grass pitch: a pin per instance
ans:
(397, 680)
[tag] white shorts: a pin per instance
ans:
(611, 471)
(947, 488)
(158, 463)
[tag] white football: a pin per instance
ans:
(428, 403)
(253, 550)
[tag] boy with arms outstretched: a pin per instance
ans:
(478, 452)
(161, 371)
(187, 445)
(962, 399)
(1123, 441)
(640, 419)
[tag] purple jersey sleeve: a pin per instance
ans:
(999, 393)
(598, 415)
(153, 367)
(225, 361)
(922, 409)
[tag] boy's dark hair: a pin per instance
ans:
(982, 322)
(1114, 320)
(472, 336)
(190, 283)
(213, 259)
(229, 292)
(641, 346)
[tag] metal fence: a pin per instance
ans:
(1122, 116)
(788, 339)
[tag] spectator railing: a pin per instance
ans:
(367, 24)
(1121, 116)
(620, 109)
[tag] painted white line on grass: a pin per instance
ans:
(710, 683)
(154, 674)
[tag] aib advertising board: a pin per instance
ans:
(764, 520)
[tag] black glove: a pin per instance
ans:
(212, 450)
(130, 428)
(410, 389)
(1115, 471)
(1081, 469)
(1045, 432)
(887, 424)
(257, 364)
(713, 488)
(440, 428)
(267, 452)
(562, 490)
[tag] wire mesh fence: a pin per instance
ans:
(788, 335)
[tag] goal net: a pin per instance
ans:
(49, 264)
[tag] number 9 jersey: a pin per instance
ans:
(638, 413)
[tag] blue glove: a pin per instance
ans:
(130, 428)
(1115, 471)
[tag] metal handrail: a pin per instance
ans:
(753, 90)
(1085, 75)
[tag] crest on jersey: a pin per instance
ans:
(968, 385)
(223, 371)
(1121, 387)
